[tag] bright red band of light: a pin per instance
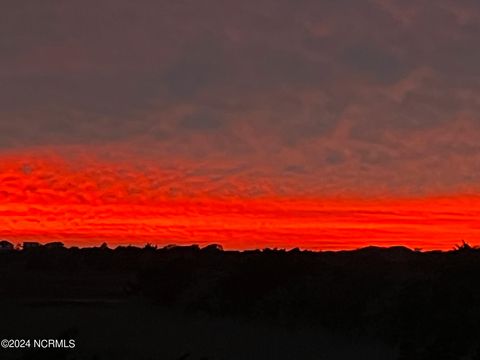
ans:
(46, 202)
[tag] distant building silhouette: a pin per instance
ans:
(54, 245)
(213, 248)
(28, 245)
(6, 245)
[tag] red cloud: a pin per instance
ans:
(54, 199)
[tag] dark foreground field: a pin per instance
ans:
(191, 304)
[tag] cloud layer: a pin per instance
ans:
(369, 89)
(240, 99)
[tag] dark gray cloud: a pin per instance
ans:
(334, 157)
(374, 62)
(200, 121)
(283, 81)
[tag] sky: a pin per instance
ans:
(322, 124)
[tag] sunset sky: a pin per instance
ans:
(321, 124)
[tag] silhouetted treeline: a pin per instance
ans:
(425, 304)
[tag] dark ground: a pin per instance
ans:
(191, 304)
